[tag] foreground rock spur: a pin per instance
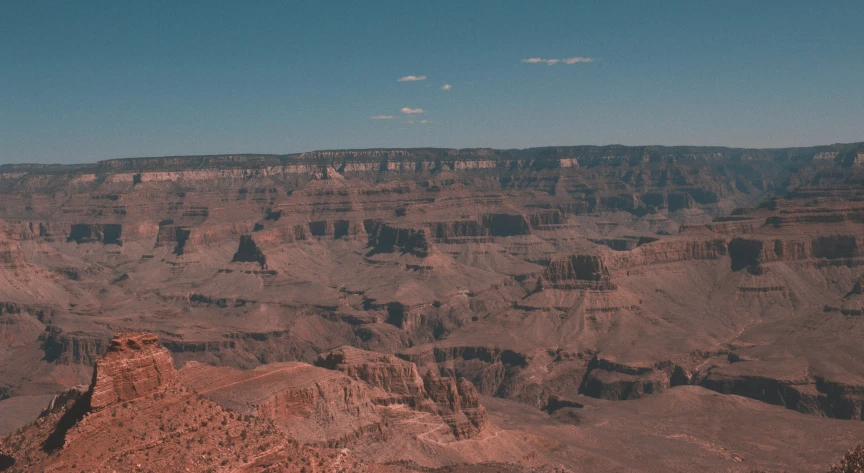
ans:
(135, 416)
(140, 414)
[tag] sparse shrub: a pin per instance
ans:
(852, 462)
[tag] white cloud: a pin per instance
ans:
(552, 62)
(575, 59)
(424, 121)
(411, 111)
(383, 117)
(411, 78)
(447, 87)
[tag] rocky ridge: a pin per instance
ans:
(257, 417)
(153, 424)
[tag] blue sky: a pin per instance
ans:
(83, 81)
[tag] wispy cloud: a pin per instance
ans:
(447, 87)
(552, 62)
(383, 117)
(411, 111)
(424, 121)
(411, 78)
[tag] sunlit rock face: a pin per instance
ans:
(133, 366)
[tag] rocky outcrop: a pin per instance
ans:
(810, 396)
(494, 371)
(671, 250)
(579, 272)
(166, 428)
(388, 238)
(398, 382)
(108, 234)
(457, 403)
(502, 225)
(458, 230)
(314, 405)
(606, 379)
(745, 253)
(173, 235)
(753, 250)
(10, 254)
(852, 304)
(249, 252)
(71, 347)
(134, 366)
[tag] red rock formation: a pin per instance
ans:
(458, 404)
(454, 400)
(134, 366)
(579, 272)
(671, 250)
(314, 405)
(398, 380)
(167, 428)
(437, 254)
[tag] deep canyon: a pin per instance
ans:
(581, 308)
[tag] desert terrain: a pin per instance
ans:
(582, 309)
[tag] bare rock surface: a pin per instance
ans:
(376, 300)
(159, 425)
(133, 367)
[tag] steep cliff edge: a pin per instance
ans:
(398, 382)
(139, 408)
(134, 366)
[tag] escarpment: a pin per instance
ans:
(579, 272)
(386, 238)
(398, 382)
(472, 293)
(748, 252)
(671, 250)
(314, 405)
(108, 234)
(457, 403)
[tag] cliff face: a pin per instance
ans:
(579, 272)
(549, 277)
(133, 366)
(457, 404)
(754, 251)
(398, 382)
(313, 405)
(138, 402)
